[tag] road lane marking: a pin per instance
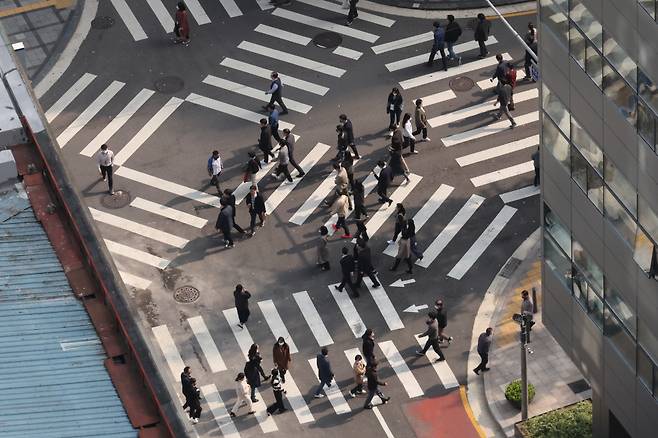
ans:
(169, 350)
(197, 12)
(401, 369)
(348, 310)
(207, 344)
(162, 15)
(136, 254)
(501, 174)
(264, 4)
(423, 58)
(231, 8)
(522, 193)
(369, 184)
(129, 20)
(439, 97)
(498, 151)
(382, 422)
(425, 37)
(332, 392)
(219, 411)
(296, 400)
(363, 16)
(446, 376)
(282, 34)
(347, 53)
(274, 321)
(69, 96)
(493, 128)
(313, 201)
(385, 305)
(242, 190)
(134, 281)
(386, 210)
(168, 212)
(292, 59)
(325, 25)
(313, 319)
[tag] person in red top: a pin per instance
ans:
(182, 26)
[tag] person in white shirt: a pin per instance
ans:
(105, 160)
(242, 394)
(407, 133)
(214, 169)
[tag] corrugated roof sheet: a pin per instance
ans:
(52, 379)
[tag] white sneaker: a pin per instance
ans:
(318, 395)
(274, 175)
(352, 394)
(390, 242)
(428, 139)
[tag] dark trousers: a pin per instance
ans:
(252, 222)
(395, 118)
(420, 129)
(252, 388)
(275, 132)
(278, 403)
(483, 48)
(371, 275)
(361, 231)
(443, 56)
(414, 247)
(484, 360)
(353, 13)
(195, 410)
(106, 172)
(357, 389)
(371, 395)
(434, 343)
(276, 97)
(398, 230)
(321, 386)
(214, 181)
(381, 191)
(410, 143)
(356, 153)
(527, 64)
(187, 402)
(295, 165)
(347, 280)
(227, 236)
(360, 209)
(536, 182)
(237, 227)
(283, 169)
(267, 153)
(282, 373)
(342, 223)
(243, 315)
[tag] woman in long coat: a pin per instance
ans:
(182, 26)
(323, 252)
(253, 371)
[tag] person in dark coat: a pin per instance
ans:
(364, 263)
(278, 394)
(252, 168)
(256, 205)
(359, 195)
(230, 199)
(186, 385)
(481, 34)
(531, 41)
(325, 373)
(181, 25)
(281, 357)
(373, 386)
(241, 296)
(349, 134)
(535, 161)
(290, 142)
(438, 45)
(276, 90)
(346, 268)
(400, 221)
(384, 180)
(394, 106)
(484, 343)
(225, 222)
(368, 346)
(453, 32)
(253, 371)
(352, 13)
(265, 141)
(195, 401)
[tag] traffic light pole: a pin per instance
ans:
(518, 37)
(524, 374)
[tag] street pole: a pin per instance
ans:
(524, 375)
(516, 35)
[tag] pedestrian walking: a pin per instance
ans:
(186, 385)
(322, 251)
(281, 357)
(256, 205)
(242, 395)
(361, 229)
(368, 346)
(484, 344)
(398, 165)
(281, 171)
(481, 34)
(373, 386)
(535, 162)
(290, 143)
(500, 73)
(254, 371)
(276, 90)
(363, 257)
(265, 140)
(394, 106)
(432, 335)
(527, 307)
(241, 296)
(105, 160)
(341, 181)
(251, 169)
(413, 244)
(531, 41)
(181, 25)
(438, 45)
(408, 134)
(341, 208)
(346, 269)
(214, 170)
(348, 165)
(341, 143)
(359, 369)
(348, 129)
(278, 391)
(230, 199)
(273, 120)
(397, 140)
(358, 195)
(453, 32)
(504, 98)
(442, 321)
(400, 221)
(195, 402)
(404, 251)
(510, 78)
(352, 13)
(325, 373)
(384, 180)
(420, 116)
(225, 222)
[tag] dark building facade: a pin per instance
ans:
(599, 171)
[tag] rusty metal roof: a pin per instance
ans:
(52, 378)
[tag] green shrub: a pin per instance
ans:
(574, 421)
(513, 393)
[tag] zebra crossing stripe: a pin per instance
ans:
(168, 212)
(243, 189)
(351, 354)
(348, 310)
(439, 97)
(264, 73)
(423, 58)
(169, 350)
(501, 174)
(264, 5)
(162, 15)
(382, 422)
(446, 376)
(197, 12)
(482, 243)
(207, 344)
(312, 202)
(326, 25)
(296, 400)
(332, 392)
(88, 113)
(385, 211)
(231, 8)
(369, 185)
(219, 411)
(425, 37)
(498, 151)
(252, 92)
(134, 281)
(282, 34)
(385, 305)
(522, 193)
(313, 319)
(136, 254)
(129, 20)
(274, 321)
(364, 16)
(347, 53)
(450, 231)
(69, 96)
(401, 369)
(290, 58)
(493, 128)
(117, 122)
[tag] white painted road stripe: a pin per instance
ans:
(482, 243)
(326, 25)
(147, 130)
(450, 231)
(168, 212)
(439, 97)
(243, 189)
(501, 174)
(231, 110)
(312, 202)
(207, 344)
(274, 321)
(382, 422)
(481, 108)
(425, 213)
(292, 59)
(348, 310)
(296, 400)
(264, 4)
(498, 151)
(522, 193)
(117, 122)
(423, 58)
(369, 185)
(363, 16)
(385, 211)
(284, 189)
(88, 113)
(454, 71)
(313, 319)
(169, 350)
(446, 376)
(136, 254)
(485, 84)
(162, 15)
(231, 8)
(253, 93)
(401, 369)
(493, 128)
(282, 34)
(68, 97)
(288, 81)
(168, 186)
(219, 411)
(385, 305)
(347, 53)
(404, 42)
(197, 12)
(137, 228)
(333, 392)
(129, 20)
(134, 281)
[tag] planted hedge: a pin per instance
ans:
(573, 421)
(513, 393)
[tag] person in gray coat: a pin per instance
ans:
(325, 373)
(225, 222)
(432, 334)
(504, 98)
(323, 252)
(284, 159)
(484, 344)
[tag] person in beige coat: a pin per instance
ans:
(359, 368)
(404, 250)
(242, 394)
(281, 357)
(421, 120)
(341, 208)
(341, 180)
(322, 251)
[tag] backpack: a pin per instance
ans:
(510, 76)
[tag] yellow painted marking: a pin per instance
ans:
(514, 14)
(469, 412)
(59, 4)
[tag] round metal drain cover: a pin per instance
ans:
(102, 22)
(462, 83)
(169, 84)
(327, 40)
(186, 294)
(120, 199)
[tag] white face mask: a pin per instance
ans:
(281, 343)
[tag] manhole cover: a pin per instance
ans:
(327, 40)
(169, 84)
(461, 83)
(186, 294)
(120, 199)
(102, 22)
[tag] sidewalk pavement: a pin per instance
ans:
(549, 368)
(446, 5)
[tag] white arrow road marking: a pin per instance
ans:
(400, 282)
(414, 308)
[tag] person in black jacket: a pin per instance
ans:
(358, 193)
(349, 134)
(346, 268)
(368, 346)
(230, 199)
(256, 205)
(400, 221)
(394, 106)
(453, 32)
(325, 373)
(482, 29)
(373, 386)
(241, 297)
(352, 13)
(384, 180)
(225, 222)
(186, 385)
(195, 401)
(364, 263)
(253, 370)
(265, 141)
(252, 168)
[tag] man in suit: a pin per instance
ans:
(384, 180)
(225, 222)
(484, 344)
(481, 34)
(186, 385)
(364, 263)
(256, 205)
(348, 129)
(346, 268)
(325, 373)
(265, 140)
(290, 142)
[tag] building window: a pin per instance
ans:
(647, 339)
(594, 65)
(644, 253)
(645, 370)
(557, 230)
(624, 190)
(586, 145)
(556, 110)
(555, 143)
(620, 59)
(620, 338)
(619, 217)
(647, 90)
(553, 15)
(577, 45)
(587, 297)
(557, 261)
(623, 311)
(587, 265)
(649, 6)
(587, 179)
(648, 218)
(646, 125)
(620, 93)
(586, 22)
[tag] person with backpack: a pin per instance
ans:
(251, 169)
(504, 97)
(453, 32)
(214, 170)
(438, 45)
(481, 35)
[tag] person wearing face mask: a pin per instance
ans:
(281, 357)
(432, 335)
